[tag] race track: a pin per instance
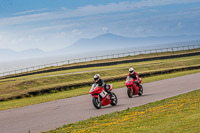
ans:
(47, 116)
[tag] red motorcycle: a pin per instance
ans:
(101, 97)
(132, 87)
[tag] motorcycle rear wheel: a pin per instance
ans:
(129, 92)
(96, 102)
(114, 100)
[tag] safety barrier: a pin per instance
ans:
(118, 55)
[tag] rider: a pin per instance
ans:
(101, 83)
(134, 75)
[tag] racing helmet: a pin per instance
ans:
(96, 77)
(131, 70)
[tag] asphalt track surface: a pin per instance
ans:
(50, 115)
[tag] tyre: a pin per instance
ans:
(140, 90)
(129, 92)
(96, 102)
(114, 100)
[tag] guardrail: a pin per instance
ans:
(118, 55)
(88, 83)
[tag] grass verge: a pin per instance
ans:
(28, 87)
(140, 56)
(80, 91)
(139, 66)
(177, 114)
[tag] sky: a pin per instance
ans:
(55, 24)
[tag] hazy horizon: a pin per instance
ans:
(51, 25)
(12, 65)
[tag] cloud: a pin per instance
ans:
(179, 25)
(61, 35)
(105, 29)
(23, 19)
(54, 27)
(41, 28)
(30, 11)
(139, 29)
(88, 10)
(1, 37)
(76, 32)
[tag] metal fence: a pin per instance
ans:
(118, 55)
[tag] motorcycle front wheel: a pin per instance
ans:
(129, 92)
(96, 102)
(140, 90)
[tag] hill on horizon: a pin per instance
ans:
(104, 42)
(111, 41)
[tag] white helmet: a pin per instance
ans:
(131, 70)
(96, 77)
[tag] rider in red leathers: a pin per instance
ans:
(135, 76)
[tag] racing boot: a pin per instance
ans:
(109, 92)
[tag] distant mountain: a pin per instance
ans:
(106, 42)
(7, 54)
(32, 52)
(102, 42)
(4, 52)
(111, 41)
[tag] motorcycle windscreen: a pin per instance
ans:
(129, 78)
(93, 87)
(129, 81)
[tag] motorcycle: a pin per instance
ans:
(101, 97)
(132, 87)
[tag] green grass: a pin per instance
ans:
(106, 67)
(173, 115)
(141, 56)
(16, 88)
(80, 91)
(25, 84)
